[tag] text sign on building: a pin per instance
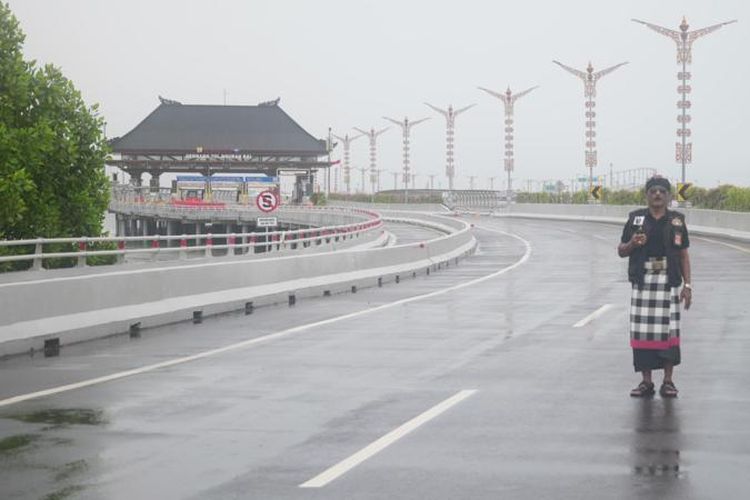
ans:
(267, 201)
(266, 222)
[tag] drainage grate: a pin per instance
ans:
(52, 347)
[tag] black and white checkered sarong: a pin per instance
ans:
(655, 309)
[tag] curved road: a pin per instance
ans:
(472, 382)
(409, 233)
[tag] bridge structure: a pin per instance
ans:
(222, 262)
(444, 332)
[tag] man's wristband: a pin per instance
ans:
(688, 286)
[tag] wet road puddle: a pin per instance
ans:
(38, 464)
(61, 417)
(14, 444)
(65, 492)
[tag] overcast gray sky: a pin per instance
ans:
(347, 63)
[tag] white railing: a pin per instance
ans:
(97, 304)
(236, 243)
(230, 212)
(477, 199)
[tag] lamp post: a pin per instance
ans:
(362, 171)
(347, 141)
(508, 99)
(373, 136)
(450, 126)
(329, 148)
(406, 127)
(684, 40)
(395, 180)
(590, 79)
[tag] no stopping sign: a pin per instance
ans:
(267, 201)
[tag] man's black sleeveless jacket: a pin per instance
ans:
(675, 239)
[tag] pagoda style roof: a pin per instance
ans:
(179, 129)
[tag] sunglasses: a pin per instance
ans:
(655, 190)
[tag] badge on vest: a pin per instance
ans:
(676, 222)
(638, 220)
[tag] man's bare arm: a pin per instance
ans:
(686, 294)
(685, 264)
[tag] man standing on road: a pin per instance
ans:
(656, 241)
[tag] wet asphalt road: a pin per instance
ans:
(550, 418)
(408, 233)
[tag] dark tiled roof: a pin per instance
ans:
(177, 128)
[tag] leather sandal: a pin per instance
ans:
(668, 390)
(643, 390)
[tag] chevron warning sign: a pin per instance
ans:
(596, 192)
(682, 188)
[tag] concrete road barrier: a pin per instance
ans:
(78, 308)
(716, 223)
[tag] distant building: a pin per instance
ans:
(210, 139)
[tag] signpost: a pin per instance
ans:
(596, 192)
(682, 188)
(266, 222)
(267, 201)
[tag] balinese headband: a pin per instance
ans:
(658, 181)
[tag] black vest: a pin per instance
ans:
(673, 232)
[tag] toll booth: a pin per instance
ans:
(303, 188)
(223, 189)
(256, 184)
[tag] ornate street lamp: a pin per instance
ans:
(590, 79)
(347, 141)
(508, 99)
(684, 40)
(373, 136)
(406, 127)
(450, 126)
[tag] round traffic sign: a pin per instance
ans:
(267, 201)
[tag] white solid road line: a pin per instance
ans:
(380, 444)
(593, 315)
(265, 338)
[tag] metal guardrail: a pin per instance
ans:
(479, 199)
(94, 305)
(271, 241)
(229, 212)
